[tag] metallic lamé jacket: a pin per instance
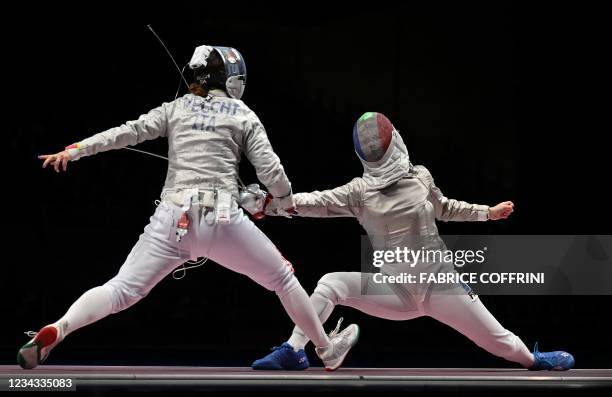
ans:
(206, 137)
(396, 203)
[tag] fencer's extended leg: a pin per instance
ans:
(152, 258)
(242, 247)
(91, 306)
(323, 304)
(356, 290)
(469, 316)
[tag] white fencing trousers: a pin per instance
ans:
(458, 310)
(239, 246)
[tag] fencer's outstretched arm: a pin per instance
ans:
(259, 152)
(454, 210)
(148, 126)
(343, 201)
(450, 209)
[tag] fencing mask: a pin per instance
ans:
(219, 66)
(372, 135)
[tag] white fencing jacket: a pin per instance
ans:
(396, 203)
(206, 137)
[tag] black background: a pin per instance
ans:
(500, 101)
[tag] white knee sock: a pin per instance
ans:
(90, 307)
(520, 353)
(298, 307)
(324, 307)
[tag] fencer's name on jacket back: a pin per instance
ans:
(205, 110)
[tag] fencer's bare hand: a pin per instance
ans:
(57, 160)
(501, 210)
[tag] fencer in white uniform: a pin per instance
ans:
(198, 215)
(398, 204)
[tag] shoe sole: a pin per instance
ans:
(28, 356)
(273, 368)
(266, 368)
(335, 367)
(561, 369)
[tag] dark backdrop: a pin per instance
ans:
(498, 100)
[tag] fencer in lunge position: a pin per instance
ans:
(198, 216)
(397, 204)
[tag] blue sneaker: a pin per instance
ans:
(551, 361)
(283, 357)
